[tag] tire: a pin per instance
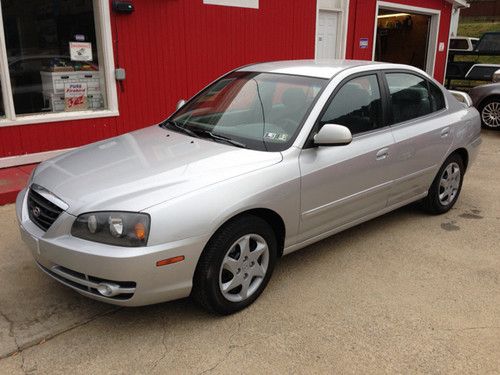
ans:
(490, 113)
(235, 265)
(446, 186)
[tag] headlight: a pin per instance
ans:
(113, 228)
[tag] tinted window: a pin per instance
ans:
(459, 44)
(489, 42)
(437, 98)
(356, 105)
(410, 97)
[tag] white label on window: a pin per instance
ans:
(80, 51)
(75, 97)
(234, 3)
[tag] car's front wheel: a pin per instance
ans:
(490, 113)
(236, 265)
(446, 186)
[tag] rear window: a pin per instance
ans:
(459, 44)
(489, 42)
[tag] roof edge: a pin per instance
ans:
(459, 3)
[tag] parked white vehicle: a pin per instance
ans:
(463, 43)
(266, 160)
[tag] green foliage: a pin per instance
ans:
(476, 29)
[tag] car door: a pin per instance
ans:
(343, 184)
(421, 132)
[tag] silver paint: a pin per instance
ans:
(190, 187)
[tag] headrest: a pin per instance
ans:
(411, 94)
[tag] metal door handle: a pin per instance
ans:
(445, 132)
(382, 153)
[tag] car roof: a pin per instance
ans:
(317, 68)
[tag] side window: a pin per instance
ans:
(356, 105)
(437, 98)
(409, 96)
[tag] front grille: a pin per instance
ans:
(41, 211)
(87, 283)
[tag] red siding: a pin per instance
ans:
(171, 49)
(362, 23)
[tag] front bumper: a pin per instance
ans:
(82, 264)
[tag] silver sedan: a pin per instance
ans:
(264, 161)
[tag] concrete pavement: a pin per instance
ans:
(404, 293)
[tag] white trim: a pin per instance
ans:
(14, 161)
(43, 118)
(8, 99)
(342, 27)
(106, 59)
(433, 30)
(234, 3)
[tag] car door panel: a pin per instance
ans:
(344, 183)
(422, 133)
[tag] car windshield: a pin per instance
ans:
(260, 111)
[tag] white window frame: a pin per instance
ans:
(254, 4)
(432, 47)
(342, 26)
(106, 61)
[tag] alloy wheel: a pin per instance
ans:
(449, 184)
(491, 114)
(244, 267)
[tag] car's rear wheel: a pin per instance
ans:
(446, 186)
(490, 113)
(236, 265)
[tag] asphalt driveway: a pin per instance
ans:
(404, 293)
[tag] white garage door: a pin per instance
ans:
(326, 42)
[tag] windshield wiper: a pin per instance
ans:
(220, 137)
(181, 128)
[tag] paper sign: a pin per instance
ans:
(75, 97)
(363, 42)
(80, 51)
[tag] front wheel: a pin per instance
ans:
(236, 265)
(446, 186)
(490, 113)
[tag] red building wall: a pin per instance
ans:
(172, 48)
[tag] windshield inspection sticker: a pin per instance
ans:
(276, 136)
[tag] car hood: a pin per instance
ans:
(140, 169)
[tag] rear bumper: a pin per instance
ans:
(82, 264)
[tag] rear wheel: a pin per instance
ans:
(446, 186)
(490, 113)
(236, 265)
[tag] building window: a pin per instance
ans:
(54, 59)
(234, 3)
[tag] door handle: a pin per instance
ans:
(445, 132)
(382, 153)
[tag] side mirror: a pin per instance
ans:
(462, 97)
(180, 103)
(333, 135)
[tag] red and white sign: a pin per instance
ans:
(75, 97)
(80, 51)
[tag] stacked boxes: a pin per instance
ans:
(53, 88)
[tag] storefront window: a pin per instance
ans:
(52, 53)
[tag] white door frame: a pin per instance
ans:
(432, 45)
(343, 13)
